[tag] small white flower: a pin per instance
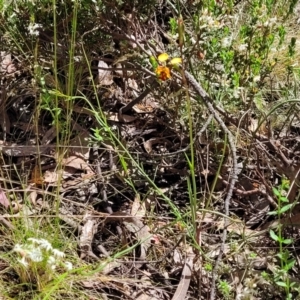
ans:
(45, 244)
(58, 253)
(226, 42)
(68, 265)
(21, 249)
(242, 47)
(78, 58)
(18, 248)
(51, 262)
(23, 262)
(34, 241)
(270, 22)
(36, 255)
(32, 29)
(256, 78)
(236, 93)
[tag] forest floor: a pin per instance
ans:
(151, 188)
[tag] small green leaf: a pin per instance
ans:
(276, 192)
(272, 213)
(283, 255)
(283, 199)
(153, 62)
(259, 102)
(280, 239)
(285, 208)
(273, 235)
(287, 241)
(289, 264)
(281, 283)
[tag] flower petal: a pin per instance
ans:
(175, 61)
(58, 253)
(68, 265)
(163, 57)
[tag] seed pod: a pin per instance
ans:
(180, 31)
(153, 62)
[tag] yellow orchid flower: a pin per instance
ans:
(163, 73)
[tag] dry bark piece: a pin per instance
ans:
(4, 119)
(6, 223)
(86, 238)
(15, 150)
(110, 266)
(49, 136)
(136, 226)
(71, 220)
(104, 76)
(185, 280)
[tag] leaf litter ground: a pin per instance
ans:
(123, 224)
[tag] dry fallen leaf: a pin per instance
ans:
(104, 76)
(86, 237)
(6, 65)
(138, 208)
(77, 163)
(36, 176)
(3, 199)
(115, 117)
(142, 233)
(55, 176)
(49, 136)
(148, 145)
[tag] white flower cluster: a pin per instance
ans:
(206, 20)
(40, 250)
(33, 29)
(263, 18)
(227, 41)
